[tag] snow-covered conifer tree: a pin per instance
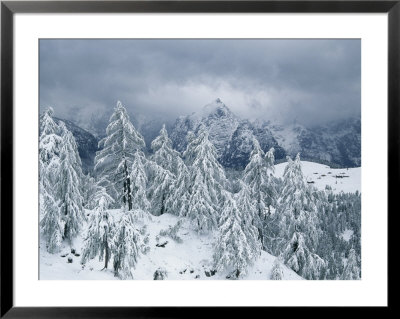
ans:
(51, 225)
(69, 143)
(301, 259)
(100, 230)
(90, 187)
(276, 272)
(161, 187)
(164, 155)
(138, 182)
(113, 163)
(351, 271)
(68, 189)
(162, 172)
(256, 177)
(297, 220)
(237, 245)
(126, 246)
(271, 189)
(178, 200)
(50, 141)
(206, 183)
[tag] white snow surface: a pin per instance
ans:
(347, 234)
(341, 180)
(189, 260)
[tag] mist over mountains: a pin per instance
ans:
(337, 143)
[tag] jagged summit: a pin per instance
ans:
(229, 134)
(216, 108)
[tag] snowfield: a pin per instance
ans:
(347, 180)
(189, 260)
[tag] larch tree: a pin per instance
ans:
(276, 272)
(90, 188)
(50, 144)
(163, 171)
(256, 177)
(206, 183)
(100, 229)
(163, 153)
(177, 202)
(271, 189)
(125, 246)
(138, 176)
(113, 162)
(351, 270)
(161, 187)
(298, 220)
(50, 141)
(237, 246)
(68, 190)
(51, 225)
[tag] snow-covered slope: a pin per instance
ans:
(319, 175)
(189, 260)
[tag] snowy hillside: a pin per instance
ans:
(168, 215)
(319, 175)
(188, 260)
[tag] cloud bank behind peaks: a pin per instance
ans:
(310, 81)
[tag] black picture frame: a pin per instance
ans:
(9, 8)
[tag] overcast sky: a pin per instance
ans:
(312, 81)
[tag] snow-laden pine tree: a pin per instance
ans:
(138, 182)
(177, 202)
(114, 161)
(165, 167)
(50, 141)
(256, 177)
(271, 189)
(206, 183)
(351, 270)
(161, 186)
(100, 230)
(51, 225)
(164, 155)
(68, 189)
(68, 142)
(50, 144)
(276, 272)
(90, 187)
(297, 222)
(237, 246)
(262, 191)
(301, 259)
(125, 246)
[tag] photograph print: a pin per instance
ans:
(199, 159)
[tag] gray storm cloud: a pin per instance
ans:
(311, 81)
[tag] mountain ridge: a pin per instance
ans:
(337, 143)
